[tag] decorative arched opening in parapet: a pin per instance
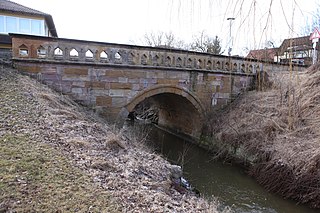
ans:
(218, 65)
(209, 65)
(227, 66)
(144, 59)
(168, 61)
(23, 51)
(171, 107)
(58, 52)
(89, 55)
(235, 67)
(179, 62)
(156, 60)
(117, 58)
(199, 64)
(74, 54)
(189, 63)
(41, 52)
(250, 68)
(243, 68)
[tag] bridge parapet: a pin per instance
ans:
(88, 52)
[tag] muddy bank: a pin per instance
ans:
(276, 132)
(113, 162)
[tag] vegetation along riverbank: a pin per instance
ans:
(276, 131)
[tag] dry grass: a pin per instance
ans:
(87, 165)
(282, 125)
(35, 178)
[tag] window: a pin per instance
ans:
(24, 25)
(37, 27)
(2, 24)
(11, 24)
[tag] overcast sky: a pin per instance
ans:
(126, 21)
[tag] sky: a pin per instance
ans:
(127, 21)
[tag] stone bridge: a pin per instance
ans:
(115, 78)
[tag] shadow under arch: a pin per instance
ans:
(181, 111)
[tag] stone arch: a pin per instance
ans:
(166, 89)
(180, 109)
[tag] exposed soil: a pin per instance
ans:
(280, 126)
(76, 161)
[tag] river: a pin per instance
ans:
(230, 184)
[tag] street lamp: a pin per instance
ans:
(231, 40)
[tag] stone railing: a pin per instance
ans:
(76, 51)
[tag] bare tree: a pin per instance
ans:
(315, 22)
(162, 39)
(204, 43)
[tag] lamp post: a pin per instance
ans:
(231, 40)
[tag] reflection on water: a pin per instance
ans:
(229, 183)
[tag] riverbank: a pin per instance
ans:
(277, 132)
(57, 155)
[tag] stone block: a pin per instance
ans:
(173, 74)
(96, 72)
(96, 84)
(77, 90)
(168, 81)
(103, 101)
(120, 86)
(135, 74)
(76, 71)
(50, 77)
(75, 78)
(79, 83)
(119, 101)
(135, 87)
(109, 79)
(99, 92)
(115, 73)
(155, 74)
(134, 80)
(49, 70)
(30, 69)
(123, 79)
(116, 92)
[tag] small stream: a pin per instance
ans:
(230, 184)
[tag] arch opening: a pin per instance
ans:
(177, 111)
